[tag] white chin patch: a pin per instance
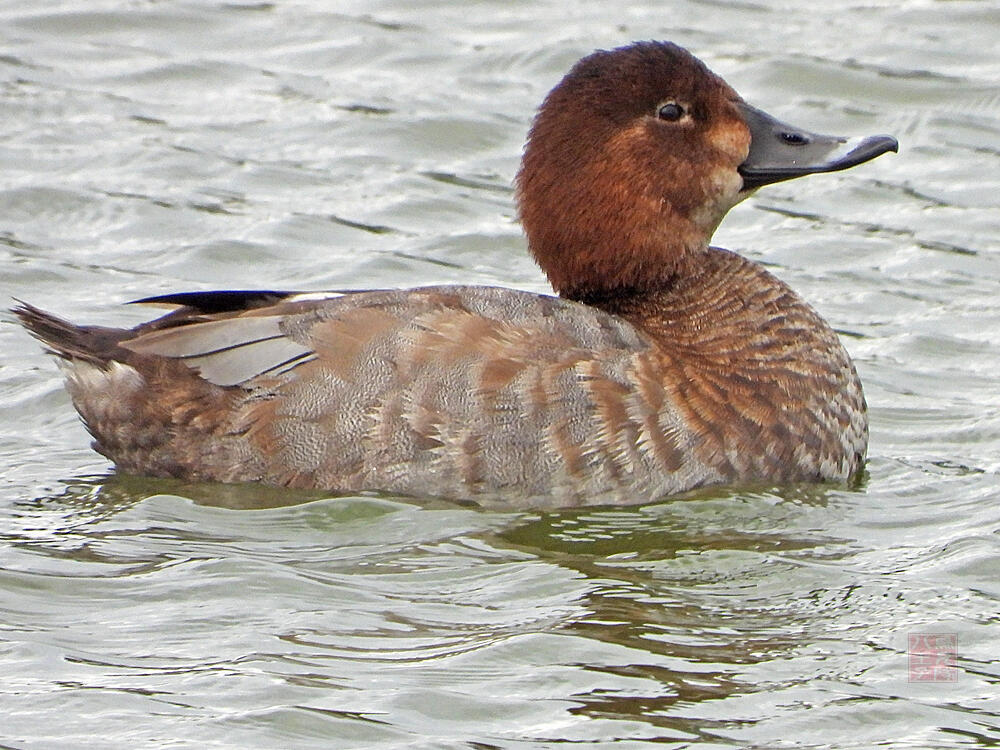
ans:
(726, 187)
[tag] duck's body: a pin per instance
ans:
(666, 365)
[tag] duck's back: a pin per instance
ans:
(449, 391)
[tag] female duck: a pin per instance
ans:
(665, 364)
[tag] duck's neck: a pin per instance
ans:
(725, 312)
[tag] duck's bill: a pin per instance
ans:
(779, 151)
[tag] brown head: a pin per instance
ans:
(635, 157)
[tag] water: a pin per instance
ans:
(152, 147)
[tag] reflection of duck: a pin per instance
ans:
(665, 364)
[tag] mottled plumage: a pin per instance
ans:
(666, 364)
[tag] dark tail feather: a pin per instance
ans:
(67, 340)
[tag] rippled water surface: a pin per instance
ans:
(158, 146)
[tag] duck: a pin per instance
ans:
(661, 364)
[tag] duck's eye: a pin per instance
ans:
(671, 112)
(794, 139)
